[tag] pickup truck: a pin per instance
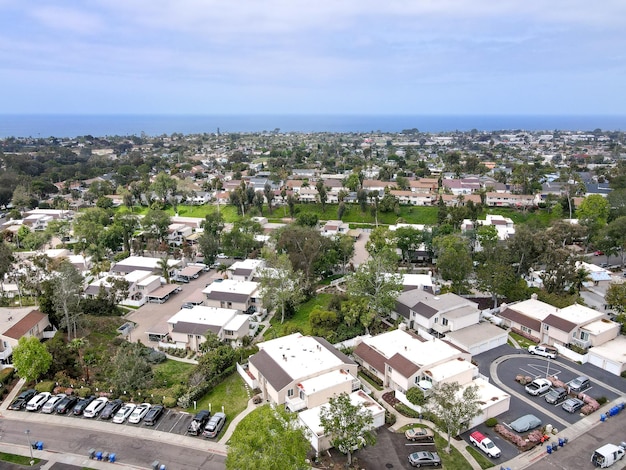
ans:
(545, 351)
(485, 444)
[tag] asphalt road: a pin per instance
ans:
(139, 450)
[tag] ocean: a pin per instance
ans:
(51, 125)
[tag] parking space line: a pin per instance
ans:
(177, 421)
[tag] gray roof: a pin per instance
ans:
(273, 372)
(227, 296)
(194, 328)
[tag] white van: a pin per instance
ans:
(608, 454)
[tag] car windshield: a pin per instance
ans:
(489, 445)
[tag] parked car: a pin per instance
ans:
(424, 459)
(572, 405)
(419, 434)
(556, 395)
(123, 413)
(543, 350)
(95, 407)
(153, 415)
(111, 408)
(608, 454)
(139, 413)
(67, 404)
(215, 425)
(579, 384)
(598, 253)
(538, 386)
(525, 423)
(82, 404)
(52, 403)
(485, 444)
(22, 399)
(38, 401)
(180, 279)
(197, 423)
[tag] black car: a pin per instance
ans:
(20, 402)
(82, 404)
(111, 408)
(66, 404)
(198, 422)
(153, 415)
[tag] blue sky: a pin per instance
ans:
(324, 56)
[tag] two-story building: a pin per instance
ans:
(238, 295)
(16, 323)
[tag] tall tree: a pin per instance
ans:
(163, 186)
(348, 425)
(495, 274)
(68, 289)
(280, 285)
(268, 192)
(131, 370)
(269, 438)
(453, 259)
(593, 213)
(156, 223)
(454, 408)
(31, 358)
(322, 194)
(6, 260)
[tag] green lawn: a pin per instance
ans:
(523, 342)
(231, 394)
(18, 459)
(300, 321)
(171, 373)
(480, 458)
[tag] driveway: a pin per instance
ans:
(152, 317)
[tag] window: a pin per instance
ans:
(584, 336)
(444, 321)
(436, 320)
(525, 329)
(290, 392)
(546, 327)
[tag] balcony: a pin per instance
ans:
(295, 404)
(581, 343)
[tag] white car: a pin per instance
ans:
(95, 407)
(52, 403)
(38, 401)
(124, 412)
(538, 387)
(139, 413)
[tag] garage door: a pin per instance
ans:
(609, 366)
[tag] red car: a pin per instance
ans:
(598, 253)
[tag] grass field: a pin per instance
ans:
(300, 321)
(231, 394)
(17, 459)
(171, 372)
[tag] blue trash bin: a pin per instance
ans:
(39, 445)
(549, 449)
(112, 457)
(561, 442)
(603, 417)
(98, 455)
(162, 467)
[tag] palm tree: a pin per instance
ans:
(222, 269)
(77, 345)
(163, 265)
(581, 276)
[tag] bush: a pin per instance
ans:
(169, 402)
(371, 376)
(491, 422)
(155, 357)
(390, 418)
(83, 392)
(46, 386)
(406, 411)
(602, 401)
(416, 396)
(257, 399)
(623, 375)
(6, 375)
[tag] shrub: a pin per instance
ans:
(602, 401)
(371, 376)
(416, 396)
(6, 375)
(125, 398)
(406, 411)
(623, 375)
(46, 386)
(155, 357)
(83, 392)
(390, 418)
(257, 399)
(491, 422)
(169, 402)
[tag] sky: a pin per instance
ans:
(548, 57)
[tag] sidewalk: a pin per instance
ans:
(402, 420)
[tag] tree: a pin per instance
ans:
(593, 213)
(322, 194)
(68, 288)
(416, 396)
(131, 370)
(291, 203)
(6, 261)
(453, 408)
(616, 297)
(344, 246)
(453, 259)
(268, 192)
(156, 223)
(408, 240)
(377, 281)
(126, 223)
(269, 438)
(348, 425)
(163, 186)
(494, 274)
(31, 358)
(280, 285)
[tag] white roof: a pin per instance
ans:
(600, 326)
(230, 285)
(488, 394)
(311, 417)
(236, 322)
(417, 280)
(579, 314)
(146, 262)
(417, 351)
(449, 369)
(324, 381)
(136, 276)
(148, 280)
(247, 264)
(475, 334)
(204, 315)
(614, 350)
(300, 356)
(534, 308)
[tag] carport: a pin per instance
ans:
(163, 293)
(190, 272)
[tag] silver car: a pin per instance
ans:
(52, 403)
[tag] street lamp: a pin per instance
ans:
(30, 446)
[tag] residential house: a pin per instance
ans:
(144, 263)
(300, 371)
(494, 199)
(187, 329)
(16, 323)
(245, 270)
(140, 284)
(335, 227)
(238, 295)
(177, 234)
(422, 310)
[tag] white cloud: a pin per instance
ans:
(67, 19)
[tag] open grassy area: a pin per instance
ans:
(523, 342)
(480, 458)
(171, 373)
(300, 321)
(231, 394)
(18, 459)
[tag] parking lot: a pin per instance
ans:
(603, 384)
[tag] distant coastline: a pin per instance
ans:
(50, 125)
